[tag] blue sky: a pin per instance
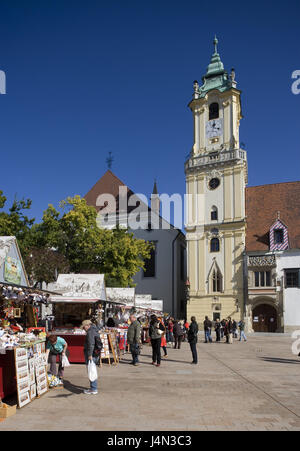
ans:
(91, 77)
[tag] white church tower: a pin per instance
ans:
(216, 176)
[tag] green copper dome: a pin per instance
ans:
(216, 77)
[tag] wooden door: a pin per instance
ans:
(264, 318)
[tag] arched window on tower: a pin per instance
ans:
(214, 245)
(214, 213)
(213, 110)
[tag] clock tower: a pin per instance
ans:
(216, 176)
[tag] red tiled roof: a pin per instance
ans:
(262, 206)
(109, 183)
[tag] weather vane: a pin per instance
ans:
(109, 160)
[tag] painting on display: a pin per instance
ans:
(12, 270)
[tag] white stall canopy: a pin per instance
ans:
(79, 288)
(121, 295)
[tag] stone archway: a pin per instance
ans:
(264, 318)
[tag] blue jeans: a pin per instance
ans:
(208, 336)
(193, 347)
(134, 349)
(94, 384)
(242, 335)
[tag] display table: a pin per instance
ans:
(8, 385)
(75, 344)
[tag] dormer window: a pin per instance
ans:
(279, 240)
(278, 236)
(213, 111)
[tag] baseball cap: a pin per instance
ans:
(86, 322)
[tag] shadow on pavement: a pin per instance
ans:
(278, 360)
(76, 389)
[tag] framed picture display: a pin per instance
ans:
(31, 365)
(33, 391)
(40, 371)
(41, 379)
(23, 399)
(42, 387)
(21, 353)
(21, 365)
(32, 378)
(24, 386)
(22, 375)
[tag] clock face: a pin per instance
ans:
(214, 128)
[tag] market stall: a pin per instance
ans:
(20, 321)
(81, 296)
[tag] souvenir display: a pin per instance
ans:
(31, 372)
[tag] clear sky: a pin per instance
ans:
(85, 78)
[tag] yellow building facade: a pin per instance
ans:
(216, 177)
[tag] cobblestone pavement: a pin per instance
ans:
(244, 386)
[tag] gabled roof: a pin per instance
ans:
(109, 183)
(263, 206)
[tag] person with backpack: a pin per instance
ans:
(92, 350)
(207, 330)
(193, 339)
(178, 334)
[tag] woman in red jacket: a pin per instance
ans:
(163, 344)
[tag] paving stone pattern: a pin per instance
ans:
(243, 386)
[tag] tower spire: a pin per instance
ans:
(216, 44)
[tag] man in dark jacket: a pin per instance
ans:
(92, 349)
(207, 330)
(134, 338)
(193, 338)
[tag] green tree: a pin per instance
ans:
(15, 223)
(43, 265)
(73, 232)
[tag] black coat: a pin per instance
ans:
(193, 332)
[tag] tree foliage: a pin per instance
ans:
(14, 222)
(73, 232)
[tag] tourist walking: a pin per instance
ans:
(56, 347)
(218, 327)
(193, 339)
(134, 339)
(207, 330)
(223, 322)
(92, 350)
(155, 332)
(170, 338)
(242, 330)
(163, 343)
(178, 334)
(228, 331)
(234, 329)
